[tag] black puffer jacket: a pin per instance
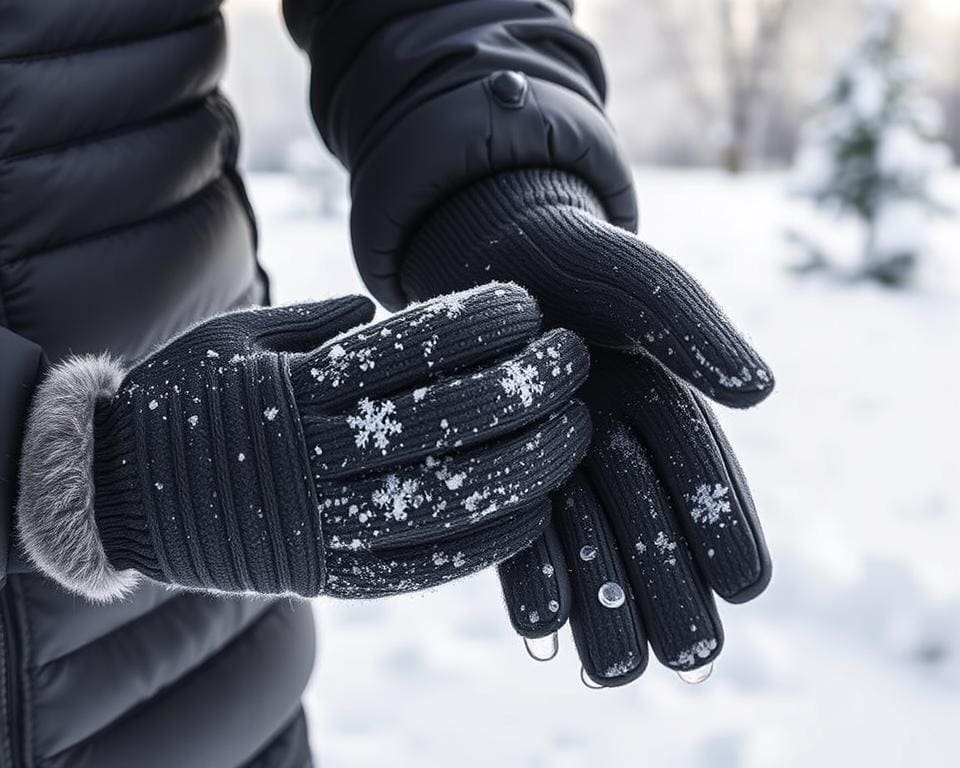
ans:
(122, 220)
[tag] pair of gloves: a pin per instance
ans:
(301, 450)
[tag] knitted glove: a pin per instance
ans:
(660, 513)
(272, 451)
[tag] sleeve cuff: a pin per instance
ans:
(55, 510)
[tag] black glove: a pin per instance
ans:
(260, 451)
(659, 513)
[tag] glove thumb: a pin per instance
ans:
(302, 327)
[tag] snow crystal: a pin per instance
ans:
(192, 420)
(455, 481)
(419, 394)
(616, 670)
(152, 405)
(337, 366)
(398, 496)
(709, 504)
(241, 457)
(212, 354)
(522, 381)
(473, 501)
(663, 543)
(547, 570)
(374, 421)
(452, 481)
(666, 547)
(699, 650)
(270, 414)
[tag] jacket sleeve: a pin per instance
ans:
(420, 98)
(21, 362)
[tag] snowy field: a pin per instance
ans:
(852, 656)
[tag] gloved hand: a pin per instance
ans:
(276, 451)
(659, 513)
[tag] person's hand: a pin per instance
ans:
(276, 451)
(659, 514)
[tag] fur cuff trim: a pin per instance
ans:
(55, 517)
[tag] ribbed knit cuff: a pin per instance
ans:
(490, 213)
(118, 502)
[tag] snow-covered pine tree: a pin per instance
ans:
(869, 151)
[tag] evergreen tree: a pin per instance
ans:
(869, 151)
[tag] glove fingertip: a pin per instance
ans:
(360, 308)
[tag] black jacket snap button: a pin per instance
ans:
(509, 88)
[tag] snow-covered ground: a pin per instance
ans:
(852, 657)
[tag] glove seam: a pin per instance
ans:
(312, 514)
(56, 524)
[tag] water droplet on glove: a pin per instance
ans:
(588, 552)
(696, 676)
(611, 595)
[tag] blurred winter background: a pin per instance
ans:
(797, 156)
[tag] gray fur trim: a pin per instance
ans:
(55, 510)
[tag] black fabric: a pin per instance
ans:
(289, 749)
(660, 504)
(269, 451)
(23, 363)
(401, 92)
(122, 222)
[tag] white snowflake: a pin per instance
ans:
(699, 650)
(522, 381)
(709, 505)
(374, 420)
(397, 496)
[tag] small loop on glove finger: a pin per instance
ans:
(542, 648)
(697, 675)
(588, 681)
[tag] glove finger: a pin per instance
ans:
(366, 573)
(438, 497)
(448, 414)
(536, 587)
(618, 293)
(740, 489)
(299, 327)
(704, 481)
(678, 610)
(444, 335)
(607, 627)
